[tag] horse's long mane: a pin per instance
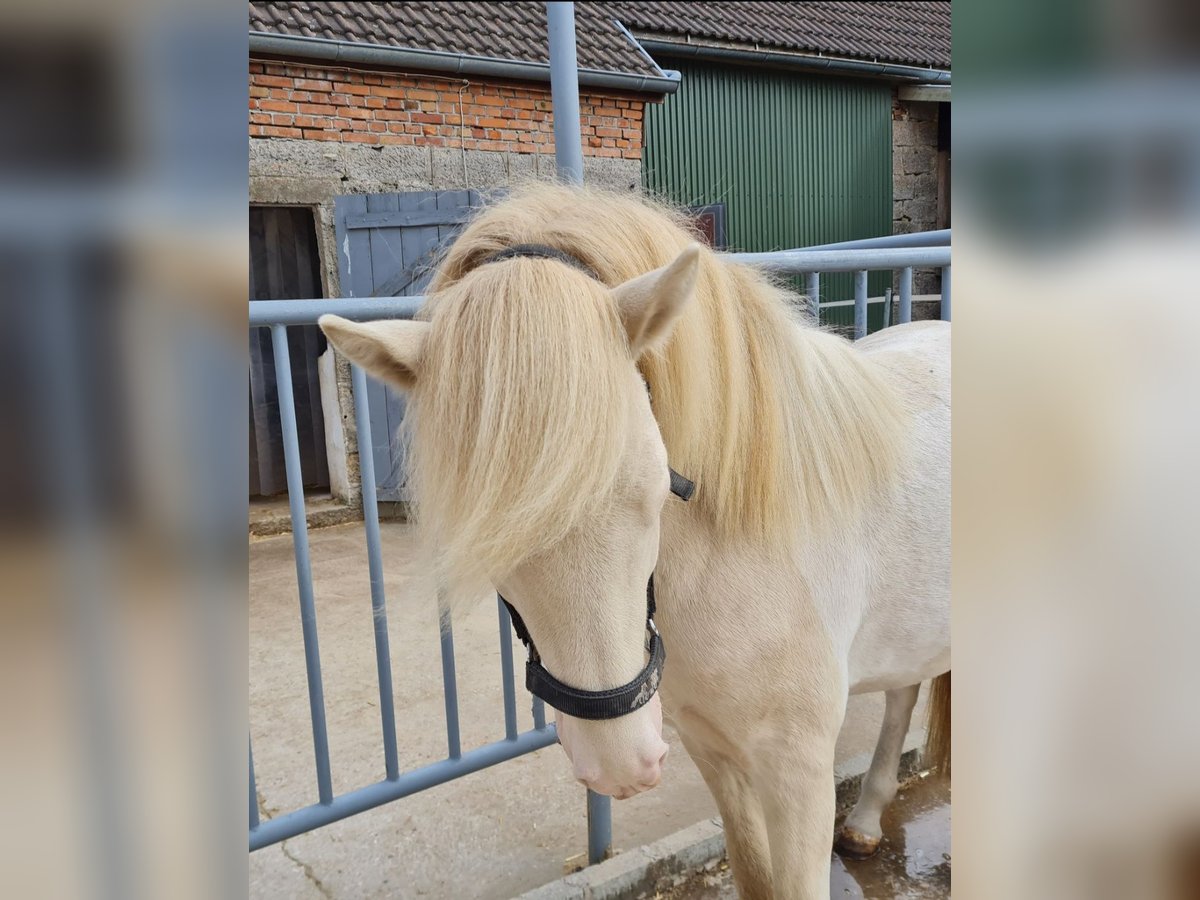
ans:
(519, 422)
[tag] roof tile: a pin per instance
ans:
(916, 33)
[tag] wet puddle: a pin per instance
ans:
(912, 864)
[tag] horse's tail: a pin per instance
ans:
(937, 736)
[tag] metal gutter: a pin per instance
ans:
(326, 50)
(804, 61)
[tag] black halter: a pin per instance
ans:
(614, 702)
(618, 701)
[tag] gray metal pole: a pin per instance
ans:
(599, 819)
(860, 304)
(946, 293)
(568, 157)
(564, 91)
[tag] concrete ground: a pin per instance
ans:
(494, 834)
(912, 864)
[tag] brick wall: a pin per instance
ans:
(309, 102)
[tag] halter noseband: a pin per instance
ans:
(618, 701)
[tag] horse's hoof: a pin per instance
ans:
(854, 844)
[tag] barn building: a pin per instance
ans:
(374, 129)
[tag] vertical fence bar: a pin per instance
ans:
(253, 793)
(906, 294)
(308, 612)
(506, 672)
(945, 293)
(564, 91)
(599, 816)
(539, 713)
(383, 658)
(887, 307)
(813, 288)
(449, 680)
(860, 304)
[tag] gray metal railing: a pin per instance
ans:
(277, 315)
(924, 250)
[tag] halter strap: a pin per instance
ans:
(541, 251)
(613, 702)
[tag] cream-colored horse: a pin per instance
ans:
(813, 561)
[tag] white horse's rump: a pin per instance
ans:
(812, 562)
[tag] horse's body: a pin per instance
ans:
(765, 652)
(812, 563)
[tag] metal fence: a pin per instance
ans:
(277, 316)
(902, 252)
(913, 251)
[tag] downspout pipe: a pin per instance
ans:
(805, 61)
(564, 91)
(355, 52)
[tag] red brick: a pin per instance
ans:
(434, 141)
(315, 134)
(374, 102)
(313, 122)
(275, 131)
(423, 95)
(431, 118)
(395, 139)
(342, 100)
(277, 106)
(354, 112)
(389, 92)
(346, 87)
(490, 101)
(274, 81)
(313, 84)
(377, 127)
(260, 118)
(316, 109)
(607, 152)
(279, 119)
(632, 153)
(390, 115)
(608, 132)
(256, 91)
(359, 138)
(255, 68)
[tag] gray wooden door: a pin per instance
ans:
(388, 246)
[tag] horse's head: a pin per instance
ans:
(538, 466)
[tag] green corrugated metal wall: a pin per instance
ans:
(798, 160)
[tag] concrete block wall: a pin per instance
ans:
(915, 182)
(316, 132)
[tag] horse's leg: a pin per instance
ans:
(742, 816)
(860, 834)
(795, 782)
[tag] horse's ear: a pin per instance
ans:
(389, 350)
(650, 303)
